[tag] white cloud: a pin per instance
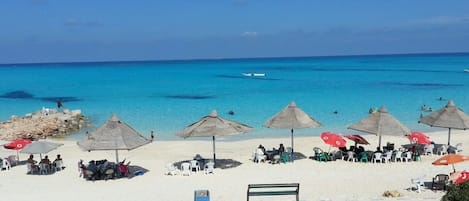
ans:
(249, 34)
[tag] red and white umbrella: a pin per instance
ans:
(419, 138)
(17, 144)
(463, 177)
(332, 139)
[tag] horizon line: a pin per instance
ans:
(235, 58)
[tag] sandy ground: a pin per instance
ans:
(325, 181)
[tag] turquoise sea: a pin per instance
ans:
(166, 96)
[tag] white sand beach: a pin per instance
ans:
(326, 181)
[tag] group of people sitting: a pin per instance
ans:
(262, 154)
(45, 166)
(103, 169)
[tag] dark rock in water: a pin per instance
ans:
(20, 94)
(62, 99)
(193, 97)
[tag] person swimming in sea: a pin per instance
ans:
(231, 112)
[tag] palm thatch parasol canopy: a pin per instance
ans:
(211, 126)
(113, 135)
(291, 117)
(449, 117)
(380, 123)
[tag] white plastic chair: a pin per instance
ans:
(195, 166)
(351, 156)
(377, 157)
(5, 164)
(428, 149)
(186, 168)
(58, 165)
(43, 168)
(442, 150)
(13, 160)
(259, 157)
(209, 167)
(458, 147)
(408, 156)
(386, 158)
(398, 156)
(171, 169)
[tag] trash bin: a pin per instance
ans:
(201, 195)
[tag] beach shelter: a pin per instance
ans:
(113, 135)
(449, 117)
(380, 123)
(291, 117)
(211, 126)
(451, 159)
(40, 147)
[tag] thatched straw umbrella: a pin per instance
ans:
(449, 117)
(380, 123)
(291, 117)
(211, 126)
(113, 135)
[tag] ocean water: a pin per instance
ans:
(166, 96)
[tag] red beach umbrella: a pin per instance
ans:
(17, 144)
(333, 139)
(358, 139)
(419, 138)
(463, 177)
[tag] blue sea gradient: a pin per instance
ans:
(166, 96)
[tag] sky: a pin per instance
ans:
(34, 31)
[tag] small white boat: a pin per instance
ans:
(466, 70)
(254, 74)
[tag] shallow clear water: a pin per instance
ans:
(166, 96)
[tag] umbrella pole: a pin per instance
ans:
(379, 142)
(117, 157)
(449, 135)
(213, 140)
(292, 156)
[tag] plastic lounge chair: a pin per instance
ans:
(440, 182)
(377, 157)
(186, 169)
(209, 167)
(418, 183)
(171, 169)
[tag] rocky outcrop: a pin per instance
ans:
(42, 124)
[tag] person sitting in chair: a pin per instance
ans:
(281, 149)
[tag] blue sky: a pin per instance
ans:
(110, 30)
